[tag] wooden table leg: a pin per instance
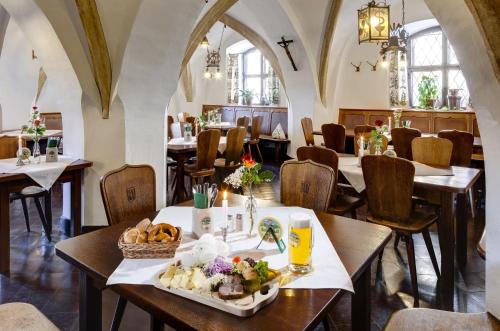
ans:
(76, 202)
(446, 232)
(461, 229)
(90, 304)
(277, 150)
(4, 230)
(360, 304)
(155, 324)
(180, 190)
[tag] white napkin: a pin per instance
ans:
(328, 270)
(278, 132)
(44, 174)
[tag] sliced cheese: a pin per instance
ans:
(198, 278)
(166, 278)
(176, 280)
(185, 280)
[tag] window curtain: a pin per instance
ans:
(398, 80)
(272, 86)
(232, 78)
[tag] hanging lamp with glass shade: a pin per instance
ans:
(212, 69)
(204, 43)
(374, 22)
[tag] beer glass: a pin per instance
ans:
(300, 243)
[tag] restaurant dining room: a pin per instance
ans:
(249, 165)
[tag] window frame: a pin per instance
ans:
(444, 67)
(263, 76)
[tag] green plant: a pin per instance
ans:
(427, 90)
(247, 95)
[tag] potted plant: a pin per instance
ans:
(246, 96)
(428, 91)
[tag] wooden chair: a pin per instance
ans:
(170, 121)
(8, 149)
(334, 136)
(389, 191)
(182, 116)
(24, 316)
(191, 120)
(234, 149)
(243, 121)
(207, 145)
(340, 204)
(358, 129)
(401, 139)
(307, 128)
(306, 184)
(255, 135)
(432, 319)
(128, 194)
(432, 151)
(461, 154)
(368, 137)
(53, 121)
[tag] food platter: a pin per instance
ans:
(244, 307)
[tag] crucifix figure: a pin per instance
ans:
(284, 43)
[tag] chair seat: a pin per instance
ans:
(23, 316)
(344, 204)
(192, 171)
(417, 222)
(433, 319)
(221, 163)
(29, 192)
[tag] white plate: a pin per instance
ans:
(235, 307)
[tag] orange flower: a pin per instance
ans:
(247, 160)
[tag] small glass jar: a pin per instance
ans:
(390, 151)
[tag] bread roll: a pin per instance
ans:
(131, 235)
(143, 225)
(142, 238)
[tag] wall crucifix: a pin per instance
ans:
(284, 43)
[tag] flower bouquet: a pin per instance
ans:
(246, 176)
(376, 137)
(36, 129)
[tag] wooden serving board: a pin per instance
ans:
(235, 307)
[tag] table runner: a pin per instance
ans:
(328, 270)
(44, 174)
(192, 143)
(348, 165)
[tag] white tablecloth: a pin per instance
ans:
(192, 143)
(44, 173)
(328, 270)
(348, 165)
(16, 133)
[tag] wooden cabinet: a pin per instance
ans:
(427, 121)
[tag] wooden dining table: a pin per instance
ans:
(452, 223)
(15, 182)
(357, 244)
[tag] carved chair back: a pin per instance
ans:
(207, 145)
(307, 128)
(432, 151)
(129, 193)
(256, 128)
(463, 143)
(306, 184)
(401, 139)
(334, 136)
(389, 187)
(234, 145)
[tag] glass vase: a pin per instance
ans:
(378, 148)
(36, 151)
(251, 212)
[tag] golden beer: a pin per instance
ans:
(300, 243)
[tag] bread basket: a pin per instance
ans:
(150, 250)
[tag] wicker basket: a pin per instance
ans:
(155, 250)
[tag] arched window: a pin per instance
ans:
(431, 54)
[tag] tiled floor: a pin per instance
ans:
(39, 277)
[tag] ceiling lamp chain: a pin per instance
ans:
(212, 69)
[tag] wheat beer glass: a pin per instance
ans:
(300, 243)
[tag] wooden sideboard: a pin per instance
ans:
(272, 115)
(427, 121)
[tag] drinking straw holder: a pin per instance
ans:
(203, 221)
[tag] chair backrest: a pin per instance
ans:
(256, 127)
(369, 140)
(324, 156)
(177, 129)
(463, 143)
(183, 116)
(389, 187)
(129, 193)
(207, 145)
(307, 128)
(170, 121)
(243, 121)
(191, 120)
(53, 121)
(432, 151)
(8, 147)
(401, 139)
(358, 129)
(334, 136)
(234, 145)
(306, 184)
